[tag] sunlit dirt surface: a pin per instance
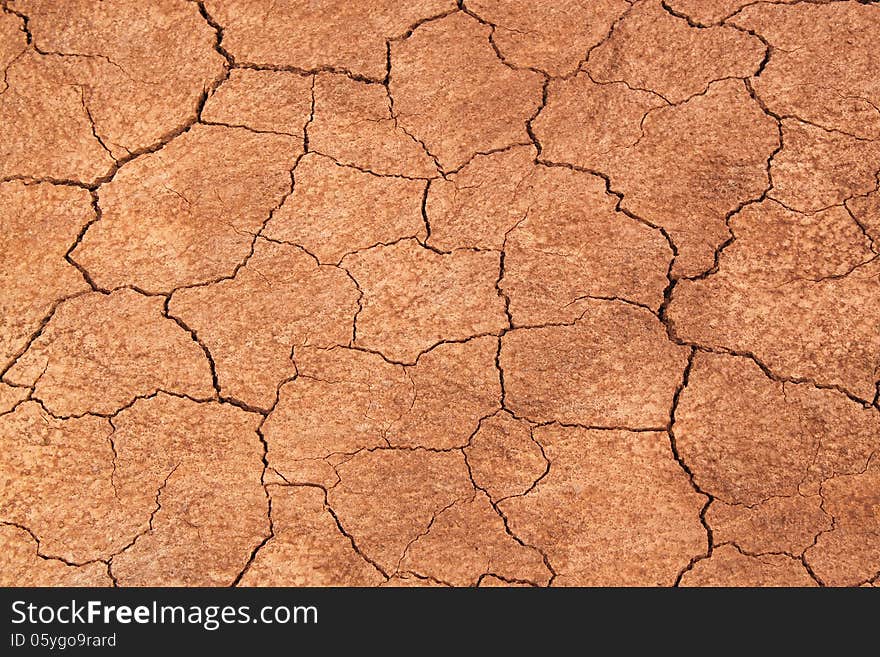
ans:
(497, 293)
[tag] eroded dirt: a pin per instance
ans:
(440, 294)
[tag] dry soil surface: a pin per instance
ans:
(491, 293)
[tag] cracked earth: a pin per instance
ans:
(432, 293)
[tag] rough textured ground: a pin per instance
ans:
(495, 293)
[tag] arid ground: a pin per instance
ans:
(422, 293)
